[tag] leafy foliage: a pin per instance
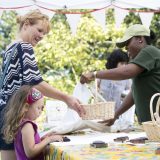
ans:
(7, 28)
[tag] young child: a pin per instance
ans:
(111, 90)
(24, 107)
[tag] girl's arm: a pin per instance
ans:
(48, 134)
(31, 149)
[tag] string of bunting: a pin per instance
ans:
(63, 11)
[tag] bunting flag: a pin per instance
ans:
(119, 16)
(100, 17)
(73, 20)
(146, 18)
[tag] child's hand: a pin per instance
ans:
(47, 135)
(54, 138)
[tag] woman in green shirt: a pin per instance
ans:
(143, 68)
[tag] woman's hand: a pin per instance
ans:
(75, 104)
(108, 122)
(87, 77)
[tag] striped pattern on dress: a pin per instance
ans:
(22, 70)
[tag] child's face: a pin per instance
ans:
(35, 109)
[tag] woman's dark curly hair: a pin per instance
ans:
(115, 57)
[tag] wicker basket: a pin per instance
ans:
(99, 110)
(152, 128)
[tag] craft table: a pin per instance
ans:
(79, 148)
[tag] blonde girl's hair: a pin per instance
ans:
(14, 113)
(33, 17)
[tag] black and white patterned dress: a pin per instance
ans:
(22, 70)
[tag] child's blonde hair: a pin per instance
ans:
(14, 112)
(32, 17)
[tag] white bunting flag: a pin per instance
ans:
(73, 20)
(146, 18)
(119, 14)
(100, 17)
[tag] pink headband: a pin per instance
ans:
(33, 96)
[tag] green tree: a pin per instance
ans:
(7, 28)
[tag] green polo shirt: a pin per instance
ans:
(148, 82)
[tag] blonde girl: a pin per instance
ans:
(24, 107)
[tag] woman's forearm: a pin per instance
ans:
(51, 92)
(120, 73)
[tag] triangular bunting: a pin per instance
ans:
(119, 14)
(100, 17)
(73, 20)
(146, 18)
